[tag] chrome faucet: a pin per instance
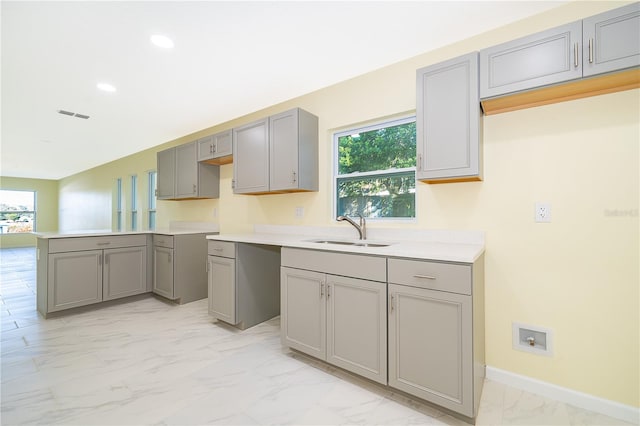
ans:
(362, 228)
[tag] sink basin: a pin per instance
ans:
(350, 243)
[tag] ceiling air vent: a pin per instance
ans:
(72, 114)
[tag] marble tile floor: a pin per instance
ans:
(150, 362)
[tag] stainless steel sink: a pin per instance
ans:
(350, 243)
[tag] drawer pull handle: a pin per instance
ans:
(426, 277)
(218, 249)
(103, 244)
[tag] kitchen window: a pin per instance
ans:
(17, 211)
(119, 204)
(375, 170)
(134, 203)
(151, 207)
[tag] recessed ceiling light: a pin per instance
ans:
(106, 87)
(162, 41)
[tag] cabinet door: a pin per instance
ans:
(125, 272)
(448, 120)
(611, 40)
(303, 311)
(186, 171)
(430, 346)
(357, 326)
(74, 279)
(251, 158)
(548, 57)
(222, 144)
(205, 148)
(166, 174)
(163, 272)
(283, 151)
(222, 289)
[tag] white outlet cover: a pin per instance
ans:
(543, 212)
(299, 211)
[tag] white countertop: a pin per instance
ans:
(452, 246)
(175, 228)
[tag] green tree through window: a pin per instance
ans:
(375, 170)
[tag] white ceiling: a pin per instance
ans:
(230, 59)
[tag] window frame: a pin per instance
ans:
(152, 183)
(119, 204)
(134, 202)
(376, 125)
(33, 212)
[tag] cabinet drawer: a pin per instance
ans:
(343, 264)
(161, 240)
(222, 248)
(431, 275)
(92, 243)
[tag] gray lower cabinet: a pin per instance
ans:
(244, 282)
(180, 266)
(276, 154)
(611, 40)
(216, 149)
(181, 176)
(75, 279)
(125, 272)
(222, 288)
(448, 120)
(436, 332)
(79, 271)
(339, 319)
(549, 57)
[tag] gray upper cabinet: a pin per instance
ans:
(276, 154)
(181, 176)
(186, 171)
(216, 149)
(251, 158)
(548, 57)
(166, 174)
(293, 138)
(611, 40)
(448, 120)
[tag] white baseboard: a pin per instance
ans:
(578, 399)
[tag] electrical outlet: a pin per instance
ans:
(299, 211)
(543, 212)
(215, 212)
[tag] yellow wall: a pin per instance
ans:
(46, 208)
(578, 275)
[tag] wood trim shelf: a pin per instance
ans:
(577, 89)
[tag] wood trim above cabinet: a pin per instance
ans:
(599, 85)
